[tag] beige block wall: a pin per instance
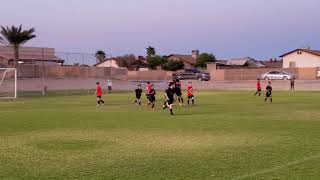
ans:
(149, 75)
(34, 71)
(307, 73)
(8, 50)
(303, 60)
(216, 74)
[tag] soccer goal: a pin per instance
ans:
(8, 83)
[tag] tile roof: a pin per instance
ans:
(35, 57)
(311, 51)
(186, 58)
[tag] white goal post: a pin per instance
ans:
(8, 83)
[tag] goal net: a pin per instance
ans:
(8, 83)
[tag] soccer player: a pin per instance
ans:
(269, 92)
(169, 94)
(109, 84)
(148, 88)
(138, 94)
(258, 88)
(190, 93)
(152, 96)
(178, 91)
(99, 94)
(292, 84)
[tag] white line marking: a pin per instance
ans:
(265, 171)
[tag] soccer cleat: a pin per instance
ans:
(97, 105)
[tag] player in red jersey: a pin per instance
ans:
(258, 88)
(190, 93)
(99, 94)
(148, 89)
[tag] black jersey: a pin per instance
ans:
(138, 92)
(170, 93)
(269, 89)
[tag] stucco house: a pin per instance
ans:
(301, 58)
(240, 63)
(245, 62)
(108, 63)
(139, 64)
(29, 55)
(188, 60)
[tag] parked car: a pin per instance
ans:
(193, 74)
(273, 75)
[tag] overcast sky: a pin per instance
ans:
(227, 28)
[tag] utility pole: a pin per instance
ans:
(44, 90)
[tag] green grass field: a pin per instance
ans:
(227, 135)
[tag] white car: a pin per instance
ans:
(280, 75)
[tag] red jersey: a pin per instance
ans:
(258, 85)
(148, 88)
(190, 90)
(99, 91)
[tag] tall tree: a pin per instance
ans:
(173, 65)
(204, 58)
(16, 37)
(126, 60)
(100, 56)
(151, 51)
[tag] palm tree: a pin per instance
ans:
(100, 55)
(151, 51)
(16, 37)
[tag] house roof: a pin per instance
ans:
(25, 57)
(245, 60)
(185, 58)
(273, 64)
(110, 59)
(311, 51)
(239, 61)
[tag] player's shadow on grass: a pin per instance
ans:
(192, 113)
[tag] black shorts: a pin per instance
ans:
(178, 92)
(268, 94)
(170, 101)
(190, 97)
(98, 96)
(259, 90)
(152, 98)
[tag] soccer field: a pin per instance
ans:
(227, 135)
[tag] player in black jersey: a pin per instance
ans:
(152, 96)
(269, 92)
(169, 95)
(138, 92)
(178, 91)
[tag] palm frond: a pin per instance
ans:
(16, 36)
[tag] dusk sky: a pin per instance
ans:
(227, 28)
